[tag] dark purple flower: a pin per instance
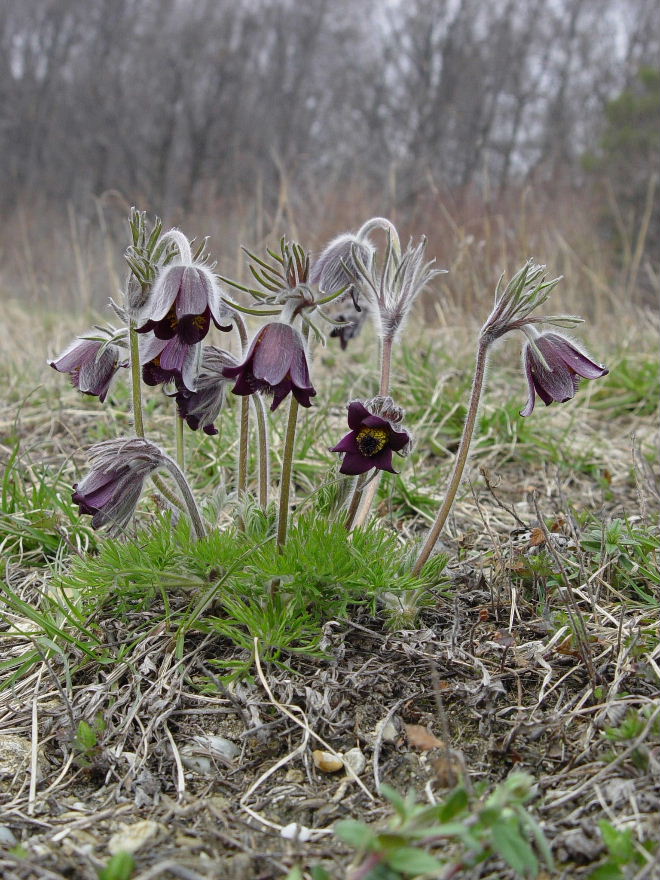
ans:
(183, 302)
(111, 490)
(200, 408)
(91, 364)
(276, 363)
(372, 438)
(558, 379)
(164, 360)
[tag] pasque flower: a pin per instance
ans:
(554, 365)
(200, 408)
(184, 299)
(276, 363)
(111, 490)
(91, 364)
(164, 360)
(373, 436)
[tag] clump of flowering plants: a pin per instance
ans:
(210, 342)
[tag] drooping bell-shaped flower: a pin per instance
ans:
(375, 434)
(201, 407)
(91, 365)
(276, 363)
(554, 365)
(165, 360)
(111, 490)
(184, 299)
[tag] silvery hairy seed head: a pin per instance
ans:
(111, 490)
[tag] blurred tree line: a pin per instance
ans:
(173, 102)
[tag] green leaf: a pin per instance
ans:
(397, 801)
(354, 833)
(319, 873)
(620, 843)
(608, 871)
(456, 803)
(85, 737)
(508, 842)
(120, 867)
(413, 861)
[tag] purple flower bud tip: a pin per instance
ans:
(276, 363)
(90, 372)
(567, 365)
(370, 442)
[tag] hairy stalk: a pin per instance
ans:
(264, 456)
(287, 464)
(136, 388)
(178, 430)
(186, 493)
(370, 494)
(138, 421)
(381, 223)
(287, 467)
(354, 503)
(461, 455)
(245, 416)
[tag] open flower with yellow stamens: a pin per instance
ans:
(373, 436)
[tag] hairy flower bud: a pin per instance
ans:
(111, 490)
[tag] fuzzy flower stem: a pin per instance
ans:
(461, 456)
(245, 415)
(182, 244)
(381, 223)
(354, 521)
(287, 467)
(186, 493)
(356, 497)
(178, 433)
(264, 458)
(136, 388)
(138, 421)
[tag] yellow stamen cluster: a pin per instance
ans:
(371, 441)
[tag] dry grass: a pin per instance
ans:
(504, 674)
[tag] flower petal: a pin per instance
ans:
(354, 463)
(383, 460)
(163, 293)
(272, 351)
(347, 444)
(357, 413)
(75, 355)
(575, 359)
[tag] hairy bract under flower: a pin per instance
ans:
(111, 490)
